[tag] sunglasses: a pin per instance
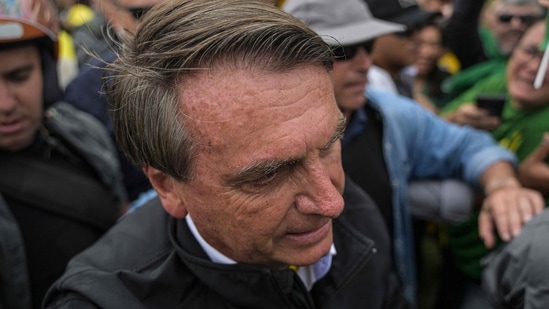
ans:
(524, 19)
(343, 53)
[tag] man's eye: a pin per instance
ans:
(265, 179)
(19, 77)
(273, 176)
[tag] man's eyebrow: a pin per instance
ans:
(19, 70)
(338, 133)
(260, 168)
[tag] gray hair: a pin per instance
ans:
(535, 3)
(174, 40)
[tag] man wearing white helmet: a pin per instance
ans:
(60, 187)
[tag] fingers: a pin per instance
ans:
(469, 114)
(507, 211)
(486, 228)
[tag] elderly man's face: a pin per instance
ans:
(268, 175)
(509, 22)
(522, 69)
(21, 101)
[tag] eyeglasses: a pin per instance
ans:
(524, 19)
(343, 53)
(528, 53)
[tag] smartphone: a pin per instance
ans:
(493, 103)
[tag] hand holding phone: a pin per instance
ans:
(493, 103)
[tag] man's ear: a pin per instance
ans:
(165, 186)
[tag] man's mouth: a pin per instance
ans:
(310, 236)
(11, 126)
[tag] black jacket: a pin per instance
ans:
(57, 197)
(151, 260)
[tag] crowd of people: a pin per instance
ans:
(274, 154)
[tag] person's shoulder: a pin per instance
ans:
(130, 256)
(74, 124)
(133, 240)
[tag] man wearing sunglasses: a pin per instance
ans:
(391, 140)
(491, 32)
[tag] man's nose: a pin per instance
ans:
(362, 60)
(321, 196)
(7, 99)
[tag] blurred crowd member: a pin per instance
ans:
(71, 14)
(393, 53)
(429, 75)
(60, 185)
(488, 46)
(445, 7)
(504, 23)
(229, 107)
(520, 128)
(448, 60)
(92, 38)
(86, 90)
(390, 140)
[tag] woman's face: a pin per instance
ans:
(430, 49)
(523, 67)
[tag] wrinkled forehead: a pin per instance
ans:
(243, 100)
(248, 83)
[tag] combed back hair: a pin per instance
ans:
(176, 40)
